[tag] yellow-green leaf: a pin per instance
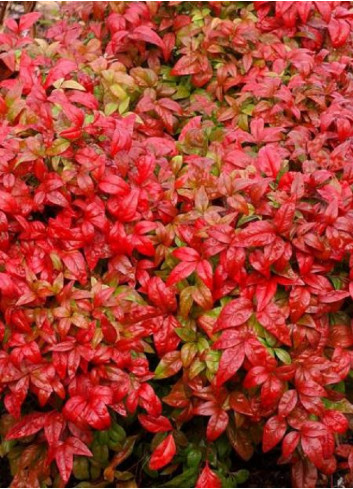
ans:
(74, 85)
(58, 147)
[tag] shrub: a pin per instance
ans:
(176, 230)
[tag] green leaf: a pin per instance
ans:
(212, 359)
(110, 108)
(283, 355)
(246, 219)
(248, 109)
(344, 406)
(186, 334)
(202, 345)
(242, 476)
(124, 105)
(337, 283)
(182, 92)
(58, 147)
(186, 479)
(270, 339)
(118, 91)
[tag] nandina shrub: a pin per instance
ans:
(176, 229)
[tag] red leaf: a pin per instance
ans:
(240, 403)
(163, 454)
(114, 185)
(54, 426)
(273, 319)
(64, 461)
(336, 421)
(7, 202)
(231, 361)
(145, 33)
(76, 266)
(208, 478)
(186, 254)
(165, 339)
(161, 295)
(180, 272)
(186, 65)
(325, 9)
(29, 425)
(256, 376)
(228, 339)
(339, 30)
(75, 410)
(287, 403)
(7, 285)
(265, 293)
(312, 447)
(304, 473)
(11, 24)
(97, 414)
(235, 313)
(304, 9)
(340, 336)
(284, 217)
(171, 105)
(258, 233)
(334, 296)
(155, 424)
(169, 365)
(62, 68)
(217, 424)
(149, 400)
(271, 391)
(169, 43)
(64, 453)
(205, 272)
(91, 411)
(207, 408)
(299, 300)
(290, 443)
(27, 20)
(274, 431)
(269, 160)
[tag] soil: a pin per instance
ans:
(5, 475)
(264, 471)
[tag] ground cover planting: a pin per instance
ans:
(176, 232)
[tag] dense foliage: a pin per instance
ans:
(176, 225)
